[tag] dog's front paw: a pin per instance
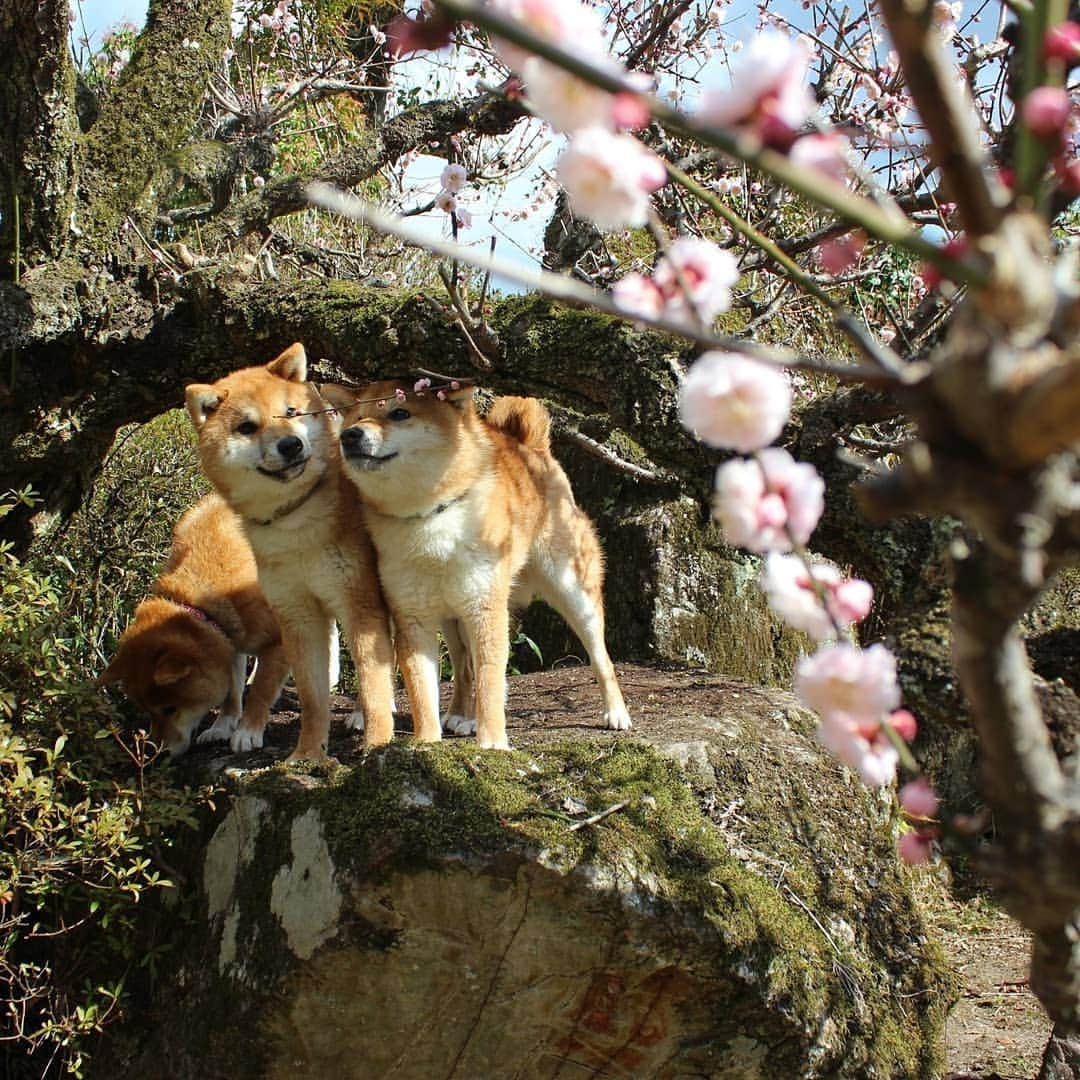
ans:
(244, 739)
(220, 730)
(355, 720)
(453, 724)
(493, 744)
(618, 720)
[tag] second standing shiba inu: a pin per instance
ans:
(270, 446)
(470, 515)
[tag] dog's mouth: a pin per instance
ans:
(369, 462)
(287, 472)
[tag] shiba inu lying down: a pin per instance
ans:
(187, 647)
(270, 447)
(470, 515)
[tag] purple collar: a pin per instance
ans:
(198, 613)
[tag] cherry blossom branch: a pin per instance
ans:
(882, 356)
(575, 293)
(888, 226)
(1031, 152)
(948, 114)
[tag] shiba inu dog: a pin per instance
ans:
(269, 445)
(470, 515)
(186, 650)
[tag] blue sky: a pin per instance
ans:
(102, 15)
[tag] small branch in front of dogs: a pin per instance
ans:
(653, 475)
(599, 817)
(468, 324)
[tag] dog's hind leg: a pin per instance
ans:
(460, 718)
(270, 673)
(574, 588)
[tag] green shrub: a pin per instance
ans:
(86, 823)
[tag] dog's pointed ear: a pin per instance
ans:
(291, 364)
(202, 400)
(170, 668)
(338, 396)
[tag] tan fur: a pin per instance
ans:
(177, 665)
(470, 516)
(270, 448)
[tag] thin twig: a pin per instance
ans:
(572, 292)
(599, 817)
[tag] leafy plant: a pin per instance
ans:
(86, 825)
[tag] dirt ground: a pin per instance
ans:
(996, 1030)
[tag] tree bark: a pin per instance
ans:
(38, 117)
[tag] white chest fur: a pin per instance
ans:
(439, 564)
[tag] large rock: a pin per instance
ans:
(712, 898)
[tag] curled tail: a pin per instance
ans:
(524, 419)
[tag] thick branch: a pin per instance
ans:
(151, 111)
(433, 122)
(40, 126)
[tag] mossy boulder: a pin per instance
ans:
(674, 591)
(712, 898)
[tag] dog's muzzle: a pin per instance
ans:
(291, 451)
(360, 449)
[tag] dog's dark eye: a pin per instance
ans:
(291, 411)
(248, 427)
(398, 414)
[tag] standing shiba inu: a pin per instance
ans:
(469, 515)
(186, 650)
(269, 445)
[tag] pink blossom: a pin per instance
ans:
(629, 112)
(918, 798)
(850, 600)
(791, 594)
(453, 178)
(446, 202)
(566, 102)
(824, 153)
(766, 503)
(430, 31)
(914, 847)
(608, 178)
(566, 23)
(638, 295)
(463, 217)
(1062, 42)
(838, 255)
(857, 684)
(872, 756)
(734, 402)
(1046, 110)
(768, 91)
(697, 271)
(903, 723)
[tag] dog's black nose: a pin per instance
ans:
(290, 447)
(352, 439)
